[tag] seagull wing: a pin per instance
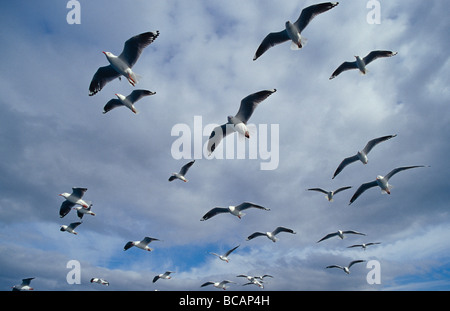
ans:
(102, 76)
(344, 163)
(352, 232)
(217, 134)
(207, 283)
(361, 189)
(249, 103)
(307, 14)
(231, 250)
(271, 40)
(138, 94)
(343, 67)
(111, 104)
(65, 208)
(78, 192)
(399, 169)
(341, 189)
(213, 212)
(128, 245)
(75, 224)
(186, 167)
(328, 236)
(377, 54)
(282, 229)
(26, 282)
(246, 205)
(334, 266)
(318, 189)
(355, 261)
(147, 240)
(373, 243)
(254, 235)
(376, 141)
(134, 46)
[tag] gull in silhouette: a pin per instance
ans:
(346, 269)
(183, 171)
(330, 194)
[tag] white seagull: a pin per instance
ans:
(72, 199)
(221, 285)
(224, 257)
(381, 182)
(362, 155)
(143, 244)
(361, 63)
(233, 210)
(165, 275)
(254, 282)
(71, 228)
(183, 171)
(122, 64)
(293, 31)
(271, 235)
(340, 234)
(82, 210)
(127, 101)
(257, 280)
(25, 285)
(364, 245)
(100, 281)
(238, 123)
(346, 269)
(329, 194)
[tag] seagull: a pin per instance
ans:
(361, 63)
(330, 194)
(339, 233)
(257, 280)
(82, 210)
(217, 284)
(100, 281)
(122, 64)
(380, 181)
(224, 257)
(234, 210)
(364, 245)
(362, 155)
(165, 275)
(271, 235)
(71, 200)
(238, 123)
(71, 228)
(292, 31)
(261, 277)
(25, 285)
(181, 174)
(127, 101)
(346, 269)
(141, 244)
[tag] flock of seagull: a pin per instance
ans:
(121, 66)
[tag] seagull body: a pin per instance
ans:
(221, 284)
(238, 123)
(82, 210)
(381, 181)
(71, 228)
(346, 269)
(100, 281)
(127, 101)
(121, 65)
(361, 155)
(72, 199)
(293, 31)
(25, 285)
(361, 63)
(143, 244)
(234, 210)
(181, 174)
(224, 257)
(165, 275)
(329, 194)
(340, 234)
(364, 245)
(271, 235)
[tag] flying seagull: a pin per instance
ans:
(82, 210)
(127, 101)
(72, 199)
(340, 234)
(181, 174)
(100, 281)
(380, 181)
(25, 285)
(361, 63)
(224, 257)
(346, 269)
(364, 245)
(234, 210)
(71, 228)
(238, 123)
(218, 284)
(293, 31)
(122, 64)
(329, 194)
(257, 280)
(254, 282)
(271, 235)
(362, 155)
(140, 244)
(165, 275)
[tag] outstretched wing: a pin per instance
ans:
(246, 205)
(102, 76)
(282, 229)
(341, 189)
(327, 236)
(138, 94)
(376, 141)
(343, 67)
(111, 104)
(377, 54)
(361, 189)
(271, 40)
(249, 103)
(217, 134)
(231, 250)
(186, 167)
(352, 232)
(399, 169)
(65, 208)
(355, 261)
(134, 46)
(318, 189)
(213, 212)
(307, 14)
(254, 235)
(128, 245)
(344, 163)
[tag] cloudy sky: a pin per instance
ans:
(55, 137)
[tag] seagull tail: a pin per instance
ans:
(301, 44)
(134, 78)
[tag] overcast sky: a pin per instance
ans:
(55, 137)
